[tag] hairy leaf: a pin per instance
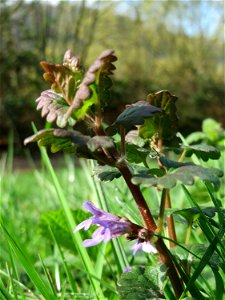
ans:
(64, 78)
(134, 114)
(185, 175)
(72, 142)
(202, 151)
(165, 125)
(142, 283)
(54, 107)
(106, 173)
(96, 76)
(59, 139)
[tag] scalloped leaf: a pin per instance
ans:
(142, 283)
(59, 139)
(54, 107)
(72, 142)
(203, 151)
(106, 173)
(134, 114)
(165, 124)
(96, 76)
(135, 154)
(63, 79)
(185, 175)
(171, 164)
(193, 213)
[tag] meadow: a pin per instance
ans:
(41, 258)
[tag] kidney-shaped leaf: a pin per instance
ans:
(185, 175)
(142, 283)
(202, 151)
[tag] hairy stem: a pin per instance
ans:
(164, 253)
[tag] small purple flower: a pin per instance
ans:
(144, 246)
(111, 226)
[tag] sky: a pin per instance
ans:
(209, 20)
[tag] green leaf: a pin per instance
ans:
(134, 114)
(193, 213)
(165, 124)
(194, 253)
(202, 151)
(142, 283)
(212, 130)
(57, 139)
(171, 164)
(56, 220)
(54, 107)
(106, 173)
(185, 175)
(133, 137)
(135, 154)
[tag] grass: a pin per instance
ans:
(52, 264)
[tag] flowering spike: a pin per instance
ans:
(111, 226)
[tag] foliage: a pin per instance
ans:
(167, 45)
(134, 147)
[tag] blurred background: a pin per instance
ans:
(174, 45)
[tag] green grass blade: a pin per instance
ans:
(21, 254)
(66, 268)
(71, 224)
(206, 258)
(4, 294)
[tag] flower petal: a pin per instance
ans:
(92, 242)
(107, 235)
(85, 224)
(99, 213)
(144, 246)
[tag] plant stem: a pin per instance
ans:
(169, 220)
(139, 199)
(161, 212)
(164, 253)
(123, 144)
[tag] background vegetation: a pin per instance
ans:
(175, 45)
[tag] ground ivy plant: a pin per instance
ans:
(136, 146)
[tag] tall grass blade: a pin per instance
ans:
(23, 257)
(71, 223)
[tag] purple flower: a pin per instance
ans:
(144, 246)
(111, 226)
